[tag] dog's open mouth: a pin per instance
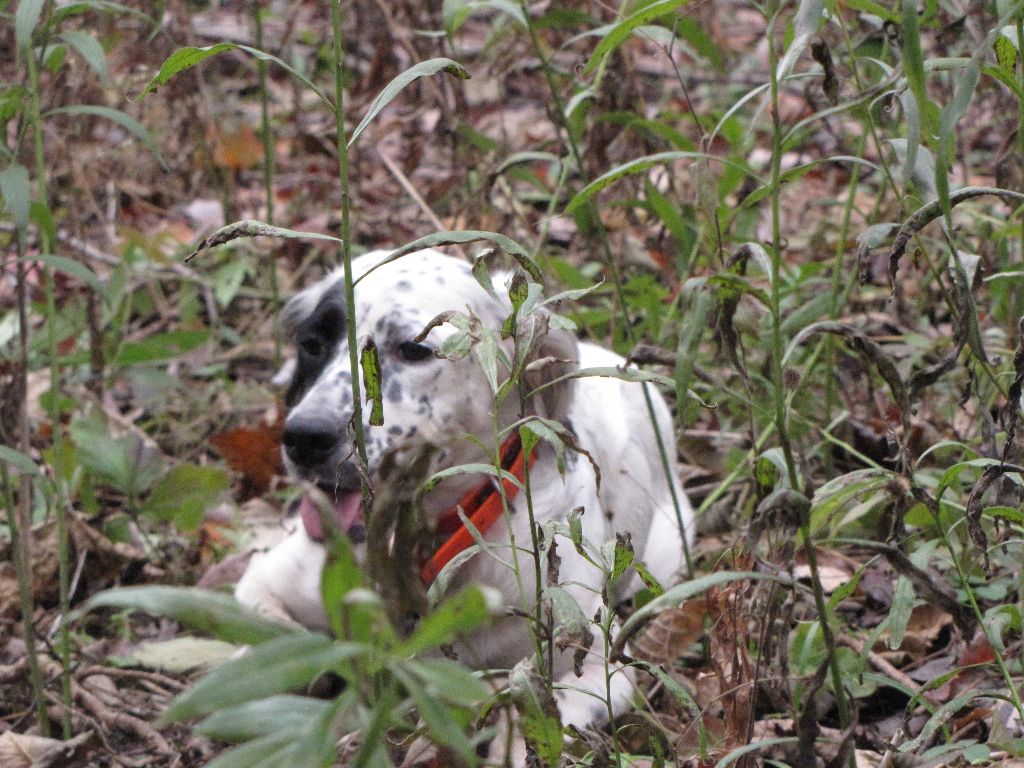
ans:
(344, 510)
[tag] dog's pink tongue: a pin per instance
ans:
(348, 516)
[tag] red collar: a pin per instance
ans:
(482, 506)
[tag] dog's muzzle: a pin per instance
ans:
(311, 442)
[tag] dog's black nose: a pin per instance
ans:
(310, 440)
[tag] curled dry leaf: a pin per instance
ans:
(671, 632)
(27, 751)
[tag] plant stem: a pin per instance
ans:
(63, 573)
(268, 167)
(779, 399)
(20, 517)
(346, 247)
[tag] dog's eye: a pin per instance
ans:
(312, 346)
(413, 352)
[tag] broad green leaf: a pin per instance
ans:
(392, 89)
(369, 362)
(280, 665)
(228, 279)
(213, 613)
(285, 713)
(621, 31)
(125, 463)
(464, 612)
(25, 20)
(18, 460)
(17, 194)
(256, 753)
(186, 58)
(90, 50)
(162, 346)
(184, 494)
(126, 121)
(449, 680)
(182, 654)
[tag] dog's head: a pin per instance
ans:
(447, 402)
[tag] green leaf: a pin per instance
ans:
(876, 9)
(340, 576)
(464, 612)
(449, 680)
(18, 460)
(228, 279)
(126, 463)
(253, 228)
(17, 194)
(392, 89)
(538, 713)
(126, 121)
(284, 713)
(1007, 79)
(441, 726)
(256, 753)
(184, 494)
(186, 58)
(90, 50)
(213, 613)
(461, 237)
(162, 346)
(622, 557)
(280, 665)
(625, 374)
(64, 11)
(369, 362)
(639, 165)
(830, 497)
(68, 267)
(182, 654)
(25, 20)
(621, 31)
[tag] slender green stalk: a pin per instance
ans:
(609, 261)
(268, 167)
(21, 529)
(63, 573)
(779, 398)
(346, 248)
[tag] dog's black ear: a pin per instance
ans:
(556, 356)
(295, 311)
